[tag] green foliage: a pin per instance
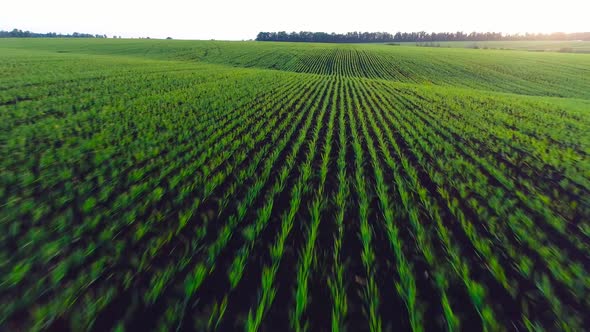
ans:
(235, 183)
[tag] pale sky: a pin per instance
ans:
(236, 20)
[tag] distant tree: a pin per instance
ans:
(418, 37)
(168, 37)
(16, 33)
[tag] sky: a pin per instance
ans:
(242, 20)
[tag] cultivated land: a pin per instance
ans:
(273, 186)
(573, 46)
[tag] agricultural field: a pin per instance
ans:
(564, 46)
(203, 185)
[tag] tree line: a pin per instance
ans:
(16, 33)
(422, 36)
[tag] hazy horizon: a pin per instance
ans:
(232, 20)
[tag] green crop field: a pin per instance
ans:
(572, 46)
(202, 185)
